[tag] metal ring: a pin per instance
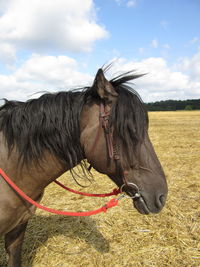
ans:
(137, 194)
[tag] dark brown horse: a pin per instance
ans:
(42, 138)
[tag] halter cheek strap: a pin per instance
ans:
(112, 149)
(104, 122)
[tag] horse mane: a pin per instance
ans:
(51, 122)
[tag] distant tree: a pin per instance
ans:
(188, 107)
(167, 105)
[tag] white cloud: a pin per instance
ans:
(154, 43)
(48, 24)
(7, 53)
(194, 40)
(191, 66)
(131, 3)
(50, 73)
(164, 24)
(166, 46)
(42, 73)
(118, 2)
(161, 82)
(141, 50)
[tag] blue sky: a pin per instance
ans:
(171, 22)
(55, 45)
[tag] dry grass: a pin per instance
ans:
(123, 237)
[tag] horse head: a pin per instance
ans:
(115, 141)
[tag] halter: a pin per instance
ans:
(104, 117)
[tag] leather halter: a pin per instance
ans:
(104, 116)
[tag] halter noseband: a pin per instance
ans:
(112, 149)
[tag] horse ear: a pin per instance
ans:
(103, 87)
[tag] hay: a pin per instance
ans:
(123, 237)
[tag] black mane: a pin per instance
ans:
(51, 122)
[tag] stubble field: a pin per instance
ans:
(123, 237)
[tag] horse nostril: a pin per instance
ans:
(162, 199)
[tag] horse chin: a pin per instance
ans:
(141, 206)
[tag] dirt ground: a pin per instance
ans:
(122, 236)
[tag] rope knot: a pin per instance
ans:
(112, 203)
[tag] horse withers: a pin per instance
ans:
(105, 124)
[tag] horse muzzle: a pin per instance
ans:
(140, 200)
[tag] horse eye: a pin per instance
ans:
(134, 166)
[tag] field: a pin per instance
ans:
(123, 237)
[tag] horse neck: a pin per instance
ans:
(35, 174)
(32, 178)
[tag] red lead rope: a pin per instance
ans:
(112, 203)
(115, 191)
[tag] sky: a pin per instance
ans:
(59, 45)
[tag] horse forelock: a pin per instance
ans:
(129, 116)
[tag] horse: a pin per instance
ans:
(105, 124)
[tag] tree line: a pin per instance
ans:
(167, 105)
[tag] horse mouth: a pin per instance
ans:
(138, 202)
(141, 206)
